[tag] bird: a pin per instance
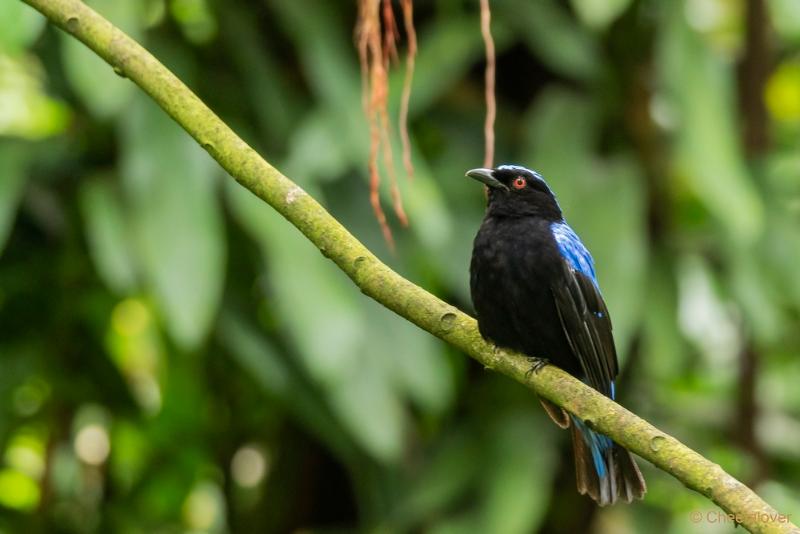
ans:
(535, 291)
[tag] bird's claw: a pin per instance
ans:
(536, 365)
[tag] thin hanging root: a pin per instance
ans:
(389, 54)
(491, 104)
(362, 45)
(375, 90)
(408, 21)
(378, 86)
(388, 161)
(375, 200)
(376, 40)
(381, 121)
(378, 137)
(390, 34)
(368, 44)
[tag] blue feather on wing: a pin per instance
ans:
(578, 258)
(573, 250)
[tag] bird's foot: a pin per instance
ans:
(536, 365)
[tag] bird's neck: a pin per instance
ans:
(523, 210)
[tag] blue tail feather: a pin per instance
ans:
(598, 444)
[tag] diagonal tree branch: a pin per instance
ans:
(378, 281)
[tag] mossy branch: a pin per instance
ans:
(378, 281)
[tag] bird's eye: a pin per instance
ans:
(519, 182)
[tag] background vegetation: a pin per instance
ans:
(175, 357)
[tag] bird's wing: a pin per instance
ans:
(583, 313)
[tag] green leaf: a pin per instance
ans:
(107, 234)
(599, 14)
(416, 364)
(785, 18)
(444, 479)
(368, 404)
(517, 482)
(707, 153)
(177, 221)
(260, 359)
(13, 175)
(195, 19)
(318, 135)
(553, 36)
(334, 130)
(27, 111)
(99, 87)
(18, 490)
(132, 453)
(20, 25)
(328, 59)
(447, 50)
(756, 293)
(323, 318)
(255, 354)
(269, 97)
(662, 339)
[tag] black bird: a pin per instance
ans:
(535, 291)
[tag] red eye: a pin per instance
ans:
(519, 182)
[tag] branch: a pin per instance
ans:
(378, 281)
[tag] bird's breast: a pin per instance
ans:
(514, 263)
(516, 247)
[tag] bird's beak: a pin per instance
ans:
(487, 176)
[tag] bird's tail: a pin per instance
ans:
(605, 471)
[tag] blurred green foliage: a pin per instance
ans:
(177, 358)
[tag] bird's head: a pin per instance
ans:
(517, 191)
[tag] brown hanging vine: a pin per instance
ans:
(491, 104)
(376, 40)
(411, 54)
